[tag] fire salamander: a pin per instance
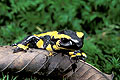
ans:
(66, 41)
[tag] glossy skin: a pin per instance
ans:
(65, 41)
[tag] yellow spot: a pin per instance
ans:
(71, 53)
(50, 53)
(35, 35)
(84, 54)
(14, 46)
(58, 48)
(59, 36)
(58, 43)
(78, 54)
(40, 43)
(80, 34)
(49, 48)
(55, 47)
(22, 46)
(51, 33)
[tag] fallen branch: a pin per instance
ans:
(37, 62)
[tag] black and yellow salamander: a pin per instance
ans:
(66, 42)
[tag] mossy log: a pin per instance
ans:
(37, 61)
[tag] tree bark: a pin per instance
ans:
(37, 61)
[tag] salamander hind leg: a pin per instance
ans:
(20, 47)
(24, 44)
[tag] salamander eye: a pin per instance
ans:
(66, 43)
(64, 40)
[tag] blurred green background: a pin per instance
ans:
(98, 19)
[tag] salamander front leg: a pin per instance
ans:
(78, 55)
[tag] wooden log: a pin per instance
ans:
(37, 61)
